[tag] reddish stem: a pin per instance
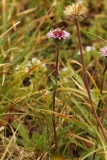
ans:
(54, 95)
(85, 79)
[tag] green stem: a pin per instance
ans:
(85, 79)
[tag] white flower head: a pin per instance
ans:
(17, 68)
(89, 48)
(29, 64)
(33, 60)
(75, 10)
(26, 69)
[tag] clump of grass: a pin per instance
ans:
(26, 94)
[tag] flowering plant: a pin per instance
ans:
(75, 10)
(58, 34)
(104, 51)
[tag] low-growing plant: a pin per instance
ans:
(53, 92)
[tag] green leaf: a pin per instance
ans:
(21, 129)
(53, 79)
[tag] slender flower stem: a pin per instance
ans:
(54, 95)
(57, 63)
(85, 79)
(53, 120)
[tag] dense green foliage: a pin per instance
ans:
(26, 83)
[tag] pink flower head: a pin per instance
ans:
(58, 34)
(104, 51)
